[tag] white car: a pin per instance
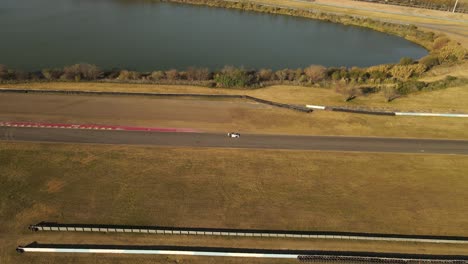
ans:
(233, 135)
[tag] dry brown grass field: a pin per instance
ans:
(447, 100)
(220, 116)
(271, 189)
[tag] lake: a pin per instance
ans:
(159, 36)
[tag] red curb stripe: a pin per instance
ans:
(96, 127)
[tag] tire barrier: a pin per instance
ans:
(359, 111)
(217, 96)
(390, 260)
(301, 255)
(288, 106)
(45, 226)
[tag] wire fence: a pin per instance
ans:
(246, 233)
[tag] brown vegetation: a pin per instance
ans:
(315, 73)
(79, 72)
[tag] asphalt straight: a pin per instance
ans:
(251, 141)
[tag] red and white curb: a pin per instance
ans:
(93, 127)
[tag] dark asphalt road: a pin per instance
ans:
(246, 141)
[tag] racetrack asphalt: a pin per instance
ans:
(251, 141)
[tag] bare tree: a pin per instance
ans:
(3, 72)
(390, 93)
(51, 74)
(282, 74)
(81, 71)
(89, 71)
(315, 73)
(129, 75)
(172, 74)
(349, 92)
(265, 74)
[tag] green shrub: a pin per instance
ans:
(51, 74)
(408, 87)
(129, 75)
(404, 72)
(157, 75)
(440, 42)
(232, 77)
(336, 75)
(296, 75)
(429, 61)
(451, 52)
(406, 61)
(447, 82)
(265, 75)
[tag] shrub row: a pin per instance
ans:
(349, 82)
(412, 86)
(229, 76)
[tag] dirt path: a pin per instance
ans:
(393, 9)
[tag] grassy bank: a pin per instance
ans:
(219, 116)
(387, 193)
(453, 99)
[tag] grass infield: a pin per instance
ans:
(270, 189)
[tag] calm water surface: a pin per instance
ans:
(142, 36)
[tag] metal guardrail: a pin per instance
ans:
(246, 233)
(382, 112)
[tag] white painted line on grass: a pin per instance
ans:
(430, 114)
